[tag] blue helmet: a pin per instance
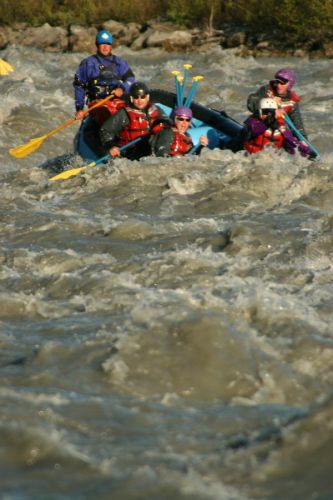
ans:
(104, 37)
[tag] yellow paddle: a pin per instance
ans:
(195, 83)
(5, 67)
(70, 173)
(34, 144)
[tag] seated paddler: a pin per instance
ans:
(176, 140)
(140, 118)
(267, 128)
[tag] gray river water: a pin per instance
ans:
(165, 325)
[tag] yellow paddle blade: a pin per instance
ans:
(5, 67)
(70, 173)
(33, 144)
(27, 149)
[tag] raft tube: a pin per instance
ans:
(220, 129)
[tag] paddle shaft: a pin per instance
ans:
(70, 173)
(183, 87)
(191, 93)
(300, 136)
(122, 148)
(72, 120)
(193, 150)
(34, 144)
(193, 89)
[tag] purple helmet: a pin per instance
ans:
(183, 111)
(284, 75)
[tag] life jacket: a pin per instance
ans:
(287, 102)
(109, 108)
(101, 85)
(141, 122)
(182, 143)
(272, 137)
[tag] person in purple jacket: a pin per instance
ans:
(267, 128)
(100, 74)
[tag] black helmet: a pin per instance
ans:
(138, 89)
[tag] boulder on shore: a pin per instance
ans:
(169, 37)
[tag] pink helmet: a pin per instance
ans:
(184, 112)
(285, 75)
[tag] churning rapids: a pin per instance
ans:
(165, 325)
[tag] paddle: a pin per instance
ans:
(177, 85)
(193, 150)
(70, 173)
(34, 144)
(183, 88)
(194, 86)
(5, 67)
(290, 124)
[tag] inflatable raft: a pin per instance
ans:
(222, 130)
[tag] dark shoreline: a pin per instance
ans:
(171, 38)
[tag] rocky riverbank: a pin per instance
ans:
(169, 37)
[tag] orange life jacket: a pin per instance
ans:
(272, 137)
(109, 108)
(141, 123)
(182, 143)
(288, 102)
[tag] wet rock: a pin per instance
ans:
(328, 49)
(141, 41)
(46, 37)
(172, 41)
(263, 45)
(4, 37)
(82, 39)
(217, 242)
(164, 35)
(124, 34)
(300, 53)
(236, 39)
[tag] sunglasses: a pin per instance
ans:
(181, 119)
(283, 82)
(140, 96)
(268, 111)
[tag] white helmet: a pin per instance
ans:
(267, 103)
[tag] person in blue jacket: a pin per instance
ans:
(100, 74)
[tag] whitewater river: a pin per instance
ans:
(165, 325)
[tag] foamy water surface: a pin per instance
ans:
(165, 325)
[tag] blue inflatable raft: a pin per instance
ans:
(222, 130)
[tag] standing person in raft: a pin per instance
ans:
(280, 89)
(140, 118)
(100, 75)
(176, 140)
(267, 129)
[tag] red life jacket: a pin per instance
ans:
(109, 108)
(182, 143)
(142, 122)
(288, 102)
(274, 138)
